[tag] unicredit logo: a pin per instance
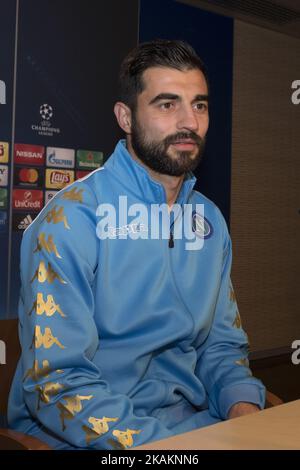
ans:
(23, 199)
(27, 204)
(27, 195)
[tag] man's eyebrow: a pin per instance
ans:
(164, 96)
(172, 96)
(201, 98)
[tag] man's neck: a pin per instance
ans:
(171, 184)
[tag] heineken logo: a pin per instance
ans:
(89, 159)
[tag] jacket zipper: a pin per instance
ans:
(171, 239)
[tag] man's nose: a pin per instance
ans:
(187, 119)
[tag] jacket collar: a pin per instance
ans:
(137, 180)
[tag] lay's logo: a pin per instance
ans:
(59, 179)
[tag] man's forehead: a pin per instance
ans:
(167, 79)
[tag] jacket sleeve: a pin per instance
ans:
(63, 388)
(222, 360)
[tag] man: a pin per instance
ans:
(130, 333)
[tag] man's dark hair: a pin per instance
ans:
(158, 53)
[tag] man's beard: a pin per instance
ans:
(155, 154)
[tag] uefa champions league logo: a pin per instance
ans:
(46, 111)
(45, 126)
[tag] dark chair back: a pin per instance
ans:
(10, 348)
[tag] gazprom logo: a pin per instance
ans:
(60, 157)
(2, 92)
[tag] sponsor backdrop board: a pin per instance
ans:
(64, 122)
(7, 38)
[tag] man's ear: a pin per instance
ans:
(123, 115)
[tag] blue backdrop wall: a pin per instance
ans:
(68, 56)
(7, 45)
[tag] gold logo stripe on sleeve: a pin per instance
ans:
(125, 437)
(47, 340)
(71, 407)
(47, 245)
(232, 295)
(45, 392)
(73, 194)
(237, 323)
(35, 373)
(56, 215)
(49, 307)
(242, 362)
(99, 427)
(43, 274)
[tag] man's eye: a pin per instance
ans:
(167, 105)
(201, 106)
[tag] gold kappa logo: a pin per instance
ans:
(71, 407)
(237, 321)
(45, 392)
(43, 274)
(73, 194)
(56, 215)
(125, 437)
(49, 307)
(35, 373)
(47, 340)
(99, 427)
(47, 245)
(232, 294)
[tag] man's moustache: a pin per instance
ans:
(182, 137)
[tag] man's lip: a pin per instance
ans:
(184, 145)
(184, 142)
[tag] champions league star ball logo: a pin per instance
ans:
(46, 111)
(45, 126)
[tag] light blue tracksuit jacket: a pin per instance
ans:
(126, 340)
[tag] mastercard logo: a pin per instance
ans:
(28, 175)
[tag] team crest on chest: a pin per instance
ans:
(201, 226)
